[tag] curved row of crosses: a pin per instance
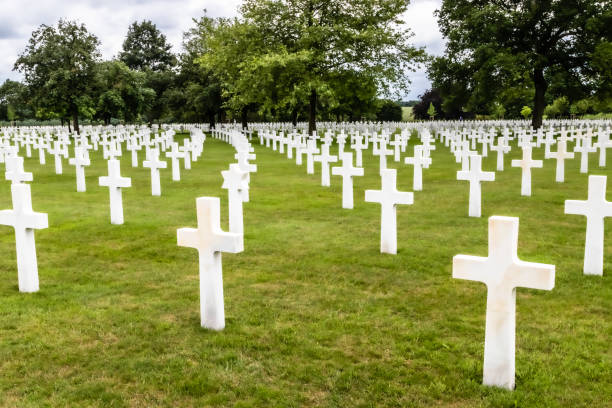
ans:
(502, 271)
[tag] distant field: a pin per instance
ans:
(407, 114)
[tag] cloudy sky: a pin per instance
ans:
(109, 20)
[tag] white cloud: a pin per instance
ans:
(109, 20)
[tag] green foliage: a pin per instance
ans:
(498, 110)
(59, 68)
(421, 109)
(14, 104)
(146, 48)
(520, 45)
(288, 54)
(526, 112)
(389, 111)
(559, 107)
(122, 92)
(431, 111)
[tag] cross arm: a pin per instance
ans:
(187, 237)
(533, 275)
(575, 207)
(470, 267)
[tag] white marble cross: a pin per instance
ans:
(210, 241)
(154, 164)
(584, 147)
(15, 172)
(347, 172)
(560, 155)
(502, 271)
(382, 152)
(79, 161)
(475, 175)
(595, 208)
(389, 198)
(603, 143)
(325, 158)
(175, 154)
(115, 183)
(419, 161)
(58, 151)
(311, 149)
(24, 220)
(501, 148)
(526, 164)
(235, 181)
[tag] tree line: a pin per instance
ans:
(309, 60)
(298, 60)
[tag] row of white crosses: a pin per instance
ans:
(210, 240)
(501, 271)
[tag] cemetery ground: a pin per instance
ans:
(315, 314)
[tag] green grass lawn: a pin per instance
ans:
(316, 316)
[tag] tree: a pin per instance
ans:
(59, 69)
(122, 92)
(431, 111)
(526, 112)
(14, 101)
(498, 41)
(309, 41)
(146, 48)
(389, 111)
(430, 97)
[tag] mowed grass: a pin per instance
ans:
(316, 316)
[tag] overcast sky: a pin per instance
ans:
(109, 20)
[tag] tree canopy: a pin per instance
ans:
(516, 49)
(59, 68)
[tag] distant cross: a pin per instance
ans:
(419, 161)
(475, 176)
(134, 147)
(595, 208)
(79, 161)
(502, 271)
(603, 143)
(501, 148)
(175, 155)
(347, 172)
(325, 158)
(235, 181)
(585, 147)
(154, 164)
(560, 155)
(526, 164)
(115, 183)
(210, 241)
(382, 152)
(389, 198)
(358, 145)
(186, 149)
(24, 220)
(311, 150)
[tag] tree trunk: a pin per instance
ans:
(75, 120)
(539, 102)
(312, 112)
(211, 119)
(244, 116)
(294, 116)
(68, 122)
